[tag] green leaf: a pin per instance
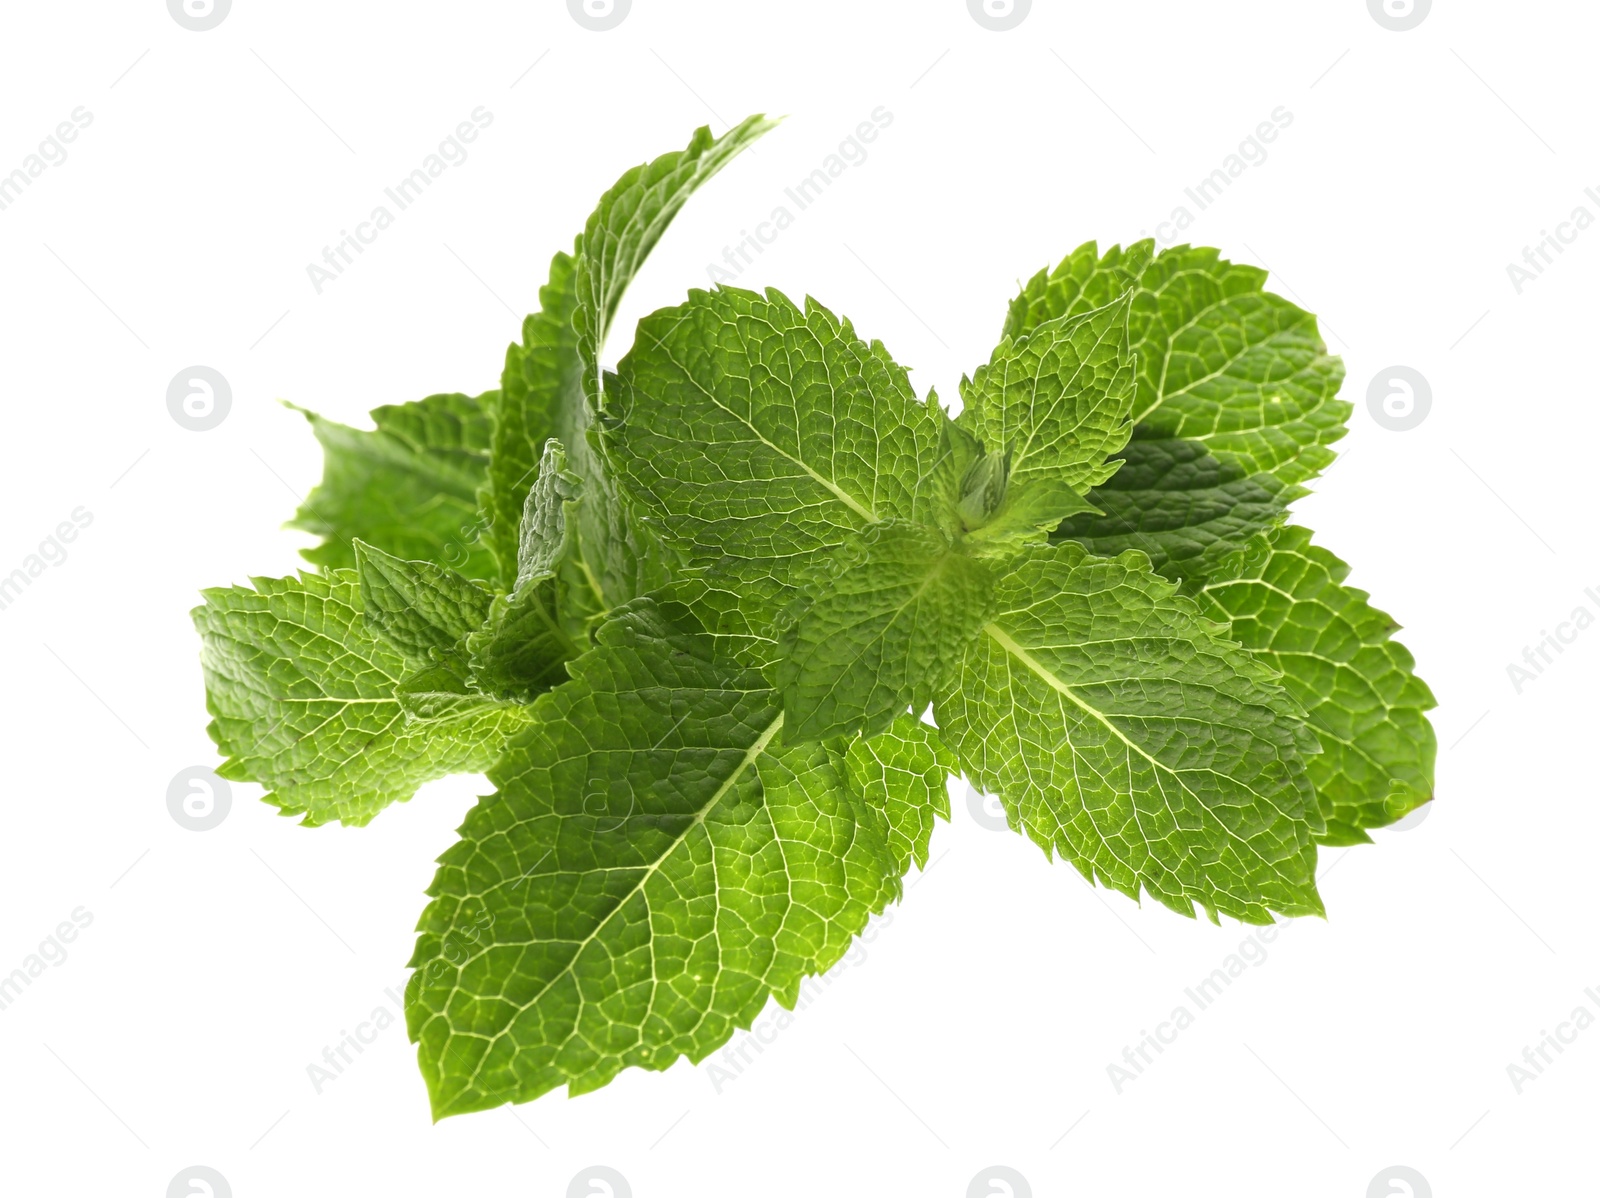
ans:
(544, 538)
(1029, 514)
(423, 610)
(440, 693)
(531, 634)
(902, 772)
(1287, 601)
(998, 518)
(880, 632)
(610, 558)
(1219, 360)
(759, 437)
(650, 869)
(1184, 508)
(1056, 398)
(628, 222)
(736, 606)
(540, 397)
(1083, 281)
(551, 387)
(523, 648)
(408, 486)
(303, 695)
(983, 487)
(1120, 730)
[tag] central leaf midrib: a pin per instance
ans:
(832, 487)
(1003, 639)
(751, 755)
(1000, 637)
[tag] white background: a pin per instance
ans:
(977, 1027)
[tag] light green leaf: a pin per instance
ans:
(530, 634)
(759, 436)
(608, 558)
(1056, 398)
(1121, 731)
(881, 631)
(1085, 280)
(998, 514)
(551, 386)
(1184, 508)
(903, 772)
(440, 693)
(1030, 512)
(423, 610)
(544, 539)
(1219, 360)
(408, 486)
(628, 222)
(1287, 602)
(540, 397)
(651, 868)
(983, 485)
(303, 695)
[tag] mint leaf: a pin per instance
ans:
(736, 605)
(650, 869)
(544, 538)
(530, 634)
(1056, 399)
(628, 222)
(443, 692)
(1287, 601)
(1028, 514)
(995, 518)
(1219, 360)
(523, 648)
(1123, 733)
(551, 386)
(542, 399)
(421, 609)
(303, 698)
(540, 395)
(1085, 280)
(1184, 508)
(902, 772)
(408, 486)
(983, 485)
(759, 436)
(880, 632)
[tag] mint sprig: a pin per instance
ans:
(687, 616)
